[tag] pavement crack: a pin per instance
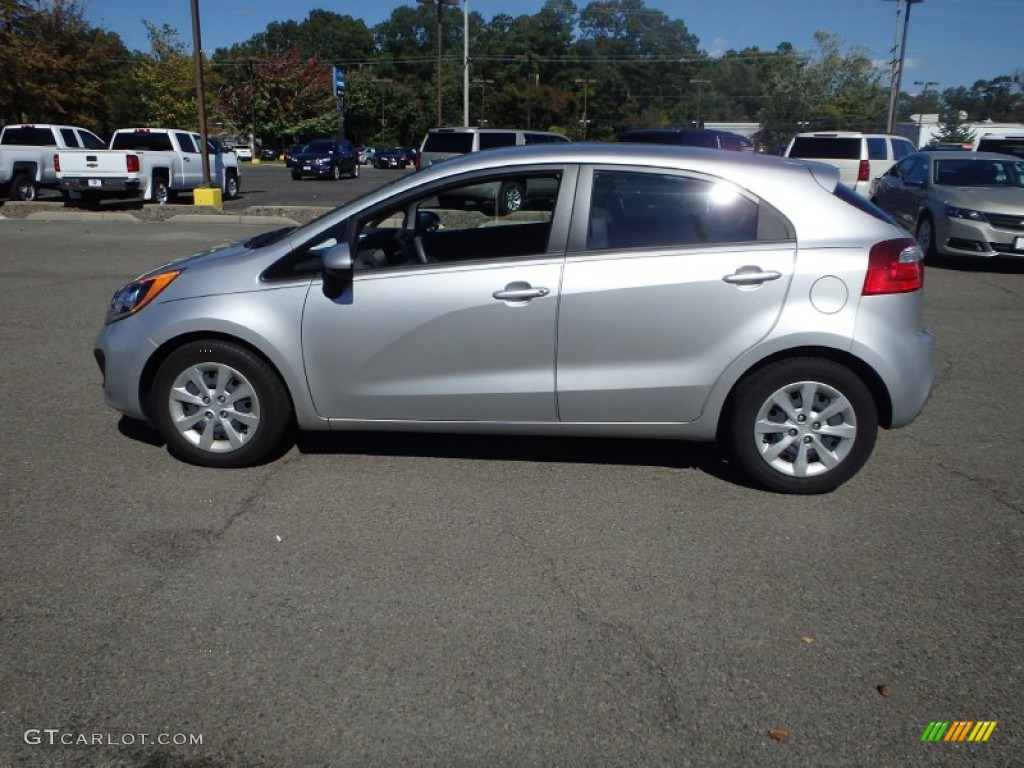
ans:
(993, 492)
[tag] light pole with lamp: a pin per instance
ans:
(440, 46)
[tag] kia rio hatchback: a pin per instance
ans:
(648, 291)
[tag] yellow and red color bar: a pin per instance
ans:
(958, 730)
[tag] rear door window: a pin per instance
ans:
(642, 210)
(70, 139)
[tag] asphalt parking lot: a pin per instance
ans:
(466, 601)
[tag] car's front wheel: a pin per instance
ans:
(803, 425)
(355, 170)
(336, 172)
(510, 197)
(926, 236)
(217, 404)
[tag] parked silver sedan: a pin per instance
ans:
(656, 292)
(958, 203)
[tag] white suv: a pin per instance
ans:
(444, 143)
(860, 157)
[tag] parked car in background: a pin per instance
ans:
(268, 153)
(366, 155)
(149, 163)
(289, 154)
(690, 137)
(326, 158)
(390, 157)
(27, 156)
(243, 151)
(1007, 145)
(860, 157)
(958, 203)
(660, 292)
(445, 143)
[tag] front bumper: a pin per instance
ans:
(962, 237)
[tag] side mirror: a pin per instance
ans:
(337, 270)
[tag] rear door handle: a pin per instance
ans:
(751, 275)
(520, 291)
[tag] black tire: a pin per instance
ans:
(23, 187)
(511, 197)
(161, 191)
(246, 414)
(296, 176)
(336, 172)
(230, 186)
(355, 171)
(926, 237)
(794, 451)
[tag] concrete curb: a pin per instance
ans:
(269, 215)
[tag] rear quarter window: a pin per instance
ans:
(449, 143)
(826, 148)
(496, 140)
(30, 137)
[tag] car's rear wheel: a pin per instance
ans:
(24, 188)
(217, 404)
(803, 425)
(161, 191)
(230, 186)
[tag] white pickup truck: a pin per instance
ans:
(26, 156)
(149, 163)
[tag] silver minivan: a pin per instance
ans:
(650, 291)
(445, 143)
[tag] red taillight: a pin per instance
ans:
(132, 162)
(56, 162)
(894, 266)
(864, 171)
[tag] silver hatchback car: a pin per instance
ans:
(643, 291)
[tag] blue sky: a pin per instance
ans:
(951, 42)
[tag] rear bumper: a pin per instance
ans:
(94, 184)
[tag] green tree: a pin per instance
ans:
(54, 67)
(953, 128)
(166, 80)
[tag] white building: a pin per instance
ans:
(923, 129)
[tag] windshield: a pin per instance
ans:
(972, 172)
(318, 146)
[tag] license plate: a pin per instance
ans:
(307, 167)
(1018, 243)
(99, 183)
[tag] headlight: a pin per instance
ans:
(956, 212)
(138, 294)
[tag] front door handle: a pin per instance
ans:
(751, 275)
(520, 291)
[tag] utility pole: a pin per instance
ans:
(440, 45)
(586, 82)
(894, 95)
(700, 87)
(197, 57)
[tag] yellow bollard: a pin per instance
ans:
(208, 196)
